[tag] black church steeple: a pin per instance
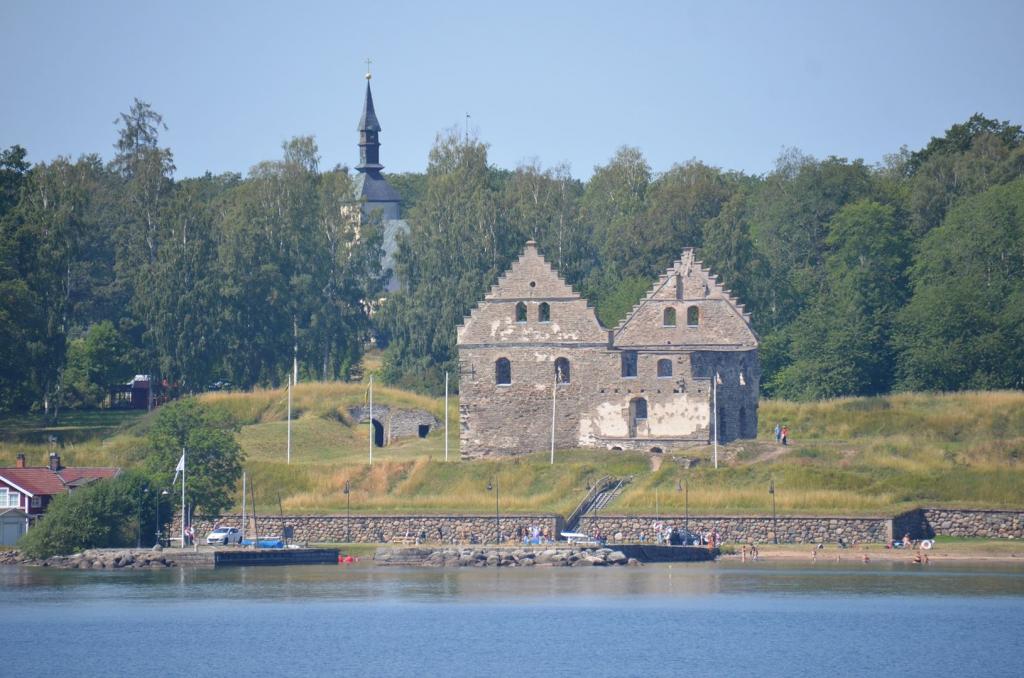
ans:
(369, 145)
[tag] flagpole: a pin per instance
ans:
(243, 505)
(554, 391)
(183, 497)
(446, 415)
(371, 419)
(289, 420)
(714, 389)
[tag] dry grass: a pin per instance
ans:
(867, 456)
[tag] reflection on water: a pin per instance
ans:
(658, 582)
(684, 619)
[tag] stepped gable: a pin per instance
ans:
(533, 281)
(722, 321)
(531, 277)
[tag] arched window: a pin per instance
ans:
(693, 316)
(562, 375)
(502, 371)
(664, 368)
(544, 312)
(520, 312)
(629, 363)
(669, 319)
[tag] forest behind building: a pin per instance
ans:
(861, 279)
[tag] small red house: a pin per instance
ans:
(27, 490)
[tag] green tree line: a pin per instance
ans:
(861, 279)
(112, 269)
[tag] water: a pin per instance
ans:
(721, 619)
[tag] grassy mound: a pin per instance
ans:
(848, 456)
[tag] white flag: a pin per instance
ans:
(180, 468)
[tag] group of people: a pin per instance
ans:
(535, 534)
(782, 433)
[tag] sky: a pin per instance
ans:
(732, 84)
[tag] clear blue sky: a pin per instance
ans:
(729, 83)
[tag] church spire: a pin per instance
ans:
(369, 145)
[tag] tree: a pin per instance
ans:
(102, 514)
(841, 344)
(611, 209)
(213, 457)
(964, 325)
(455, 248)
(678, 205)
(95, 362)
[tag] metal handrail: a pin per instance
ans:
(597, 488)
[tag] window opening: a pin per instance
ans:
(669, 319)
(562, 375)
(664, 368)
(520, 312)
(502, 371)
(544, 312)
(629, 363)
(693, 316)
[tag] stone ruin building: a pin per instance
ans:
(533, 345)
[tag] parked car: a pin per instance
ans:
(225, 536)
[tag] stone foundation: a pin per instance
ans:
(919, 523)
(385, 529)
(928, 522)
(745, 529)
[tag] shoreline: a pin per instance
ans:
(988, 552)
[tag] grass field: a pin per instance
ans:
(854, 456)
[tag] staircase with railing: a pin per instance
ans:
(601, 494)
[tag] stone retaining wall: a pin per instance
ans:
(386, 529)
(746, 529)
(919, 523)
(928, 522)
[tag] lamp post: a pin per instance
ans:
(775, 524)
(138, 531)
(348, 512)
(163, 493)
(686, 503)
(497, 515)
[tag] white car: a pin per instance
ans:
(225, 536)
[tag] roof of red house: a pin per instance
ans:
(40, 480)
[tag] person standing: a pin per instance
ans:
(785, 435)
(778, 433)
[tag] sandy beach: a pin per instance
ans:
(966, 551)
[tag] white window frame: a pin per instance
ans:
(7, 496)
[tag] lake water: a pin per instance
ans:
(721, 619)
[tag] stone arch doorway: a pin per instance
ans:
(637, 415)
(378, 433)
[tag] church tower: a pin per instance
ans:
(371, 186)
(372, 190)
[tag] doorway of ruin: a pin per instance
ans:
(378, 433)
